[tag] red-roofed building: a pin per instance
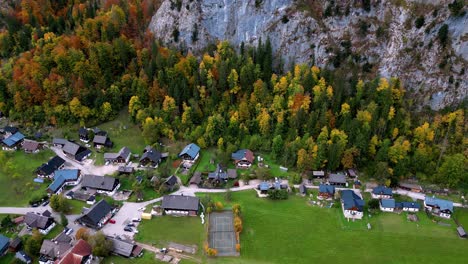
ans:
(80, 253)
(243, 158)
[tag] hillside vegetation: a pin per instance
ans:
(78, 61)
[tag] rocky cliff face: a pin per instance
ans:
(382, 36)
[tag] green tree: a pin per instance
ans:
(33, 243)
(453, 170)
(63, 220)
(442, 35)
(100, 245)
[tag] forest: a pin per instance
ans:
(74, 61)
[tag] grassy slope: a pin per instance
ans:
(25, 165)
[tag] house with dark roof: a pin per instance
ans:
(352, 173)
(171, 182)
(439, 207)
(337, 179)
(31, 146)
(83, 134)
(326, 191)
(180, 205)
(80, 253)
(48, 169)
(387, 205)
(126, 169)
(76, 151)
(13, 142)
(64, 178)
(102, 184)
(196, 178)
(382, 192)
(52, 250)
(150, 158)
(352, 204)
(15, 244)
(4, 244)
(243, 158)
(97, 215)
(59, 142)
(123, 156)
(23, 257)
(102, 141)
(190, 153)
(219, 174)
(43, 223)
(10, 130)
(124, 248)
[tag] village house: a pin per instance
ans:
(409, 206)
(150, 158)
(180, 205)
(352, 204)
(123, 156)
(59, 142)
(337, 179)
(48, 169)
(125, 248)
(171, 182)
(4, 244)
(352, 173)
(23, 257)
(387, 205)
(96, 216)
(83, 134)
(64, 178)
(44, 223)
(381, 192)
(31, 146)
(190, 153)
(80, 253)
(55, 249)
(75, 151)
(219, 174)
(15, 245)
(102, 184)
(13, 142)
(439, 207)
(263, 187)
(318, 174)
(102, 141)
(326, 191)
(243, 158)
(9, 130)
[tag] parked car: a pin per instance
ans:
(163, 250)
(131, 224)
(69, 231)
(128, 229)
(112, 221)
(45, 203)
(136, 220)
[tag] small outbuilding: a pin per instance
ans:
(461, 232)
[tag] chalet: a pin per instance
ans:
(42, 222)
(102, 184)
(123, 156)
(171, 182)
(352, 173)
(439, 207)
(13, 142)
(125, 248)
(102, 141)
(190, 153)
(76, 151)
(30, 146)
(52, 250)
(126, 170)
(180, 205)
(409, 206)
(318, 174)
(83, 134)
(410, 187)
(59, 142)
(4, 244)
(243, 158)
(10, 130)
(196, 178)
(23, 257)
(219, 174)
(48, 169)
(381, 192)
(326, 191)
(64, 178)
(302, 190)
(97, 215)
(352, 204)
(387, 205)
(80, 253)
(15, 245)
(337, 179)
(150, 158)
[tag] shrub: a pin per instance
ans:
(211, 252)
(236, 209)
(238, 247)
(285, 19)
(442, 35)
(419, 22)
(374, 204)
(278, 194)
(238, 224)
(456, 8)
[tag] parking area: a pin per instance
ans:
(221, 233)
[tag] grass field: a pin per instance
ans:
(292, 231)
(16, 183)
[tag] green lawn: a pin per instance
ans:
(16, 184)
(292, 231)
